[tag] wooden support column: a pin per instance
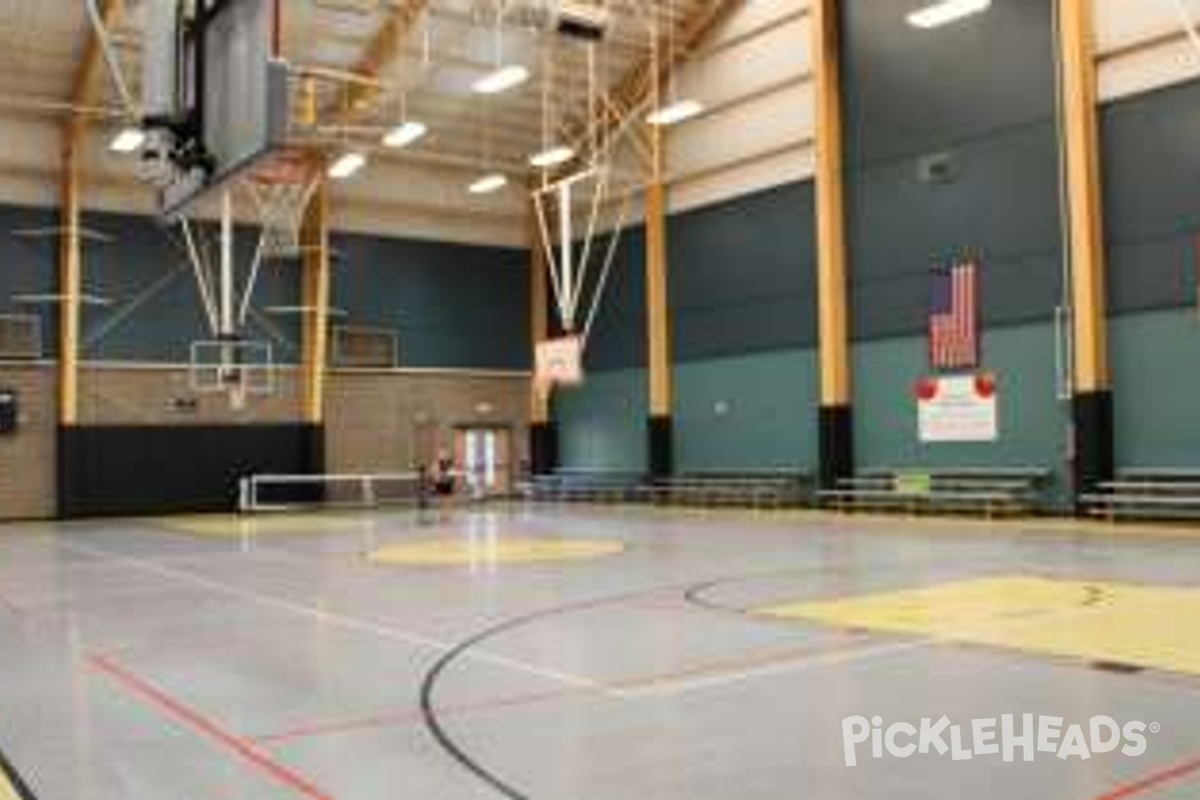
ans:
(70, 277)
(836, 418)
(1092, 404)
(543, 432)
(660, 425)
(316, 287)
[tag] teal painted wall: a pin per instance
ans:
(1156, 370)
(769, 420)
(1032, 421)
(603, 422)
(451, 305)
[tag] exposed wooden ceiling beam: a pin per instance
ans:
(382, 52)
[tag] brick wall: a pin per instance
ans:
(378, 421)
(27, 459)
(374, 419)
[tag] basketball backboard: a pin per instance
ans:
(217, 101)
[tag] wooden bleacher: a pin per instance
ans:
(992, 491)
(1147, 493)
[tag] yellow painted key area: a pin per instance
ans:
(486, 550)
(1140, 625)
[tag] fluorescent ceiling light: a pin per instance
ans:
(675, 113)
(128, 141)
(552, 157)
(405, 134)
(945, 12)
(347, 165)
(488, 184)
(501, 80)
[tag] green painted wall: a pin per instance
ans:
(603, 422)
(1156, 366)
(1032, 421)
(768, 419)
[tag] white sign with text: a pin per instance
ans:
(957, 408)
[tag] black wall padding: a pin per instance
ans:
(836, 430)
(1092, 414)
(130, 470)
(543, 447)
(660, 446)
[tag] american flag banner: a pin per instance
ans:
(954, 317)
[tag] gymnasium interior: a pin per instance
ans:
(599, 399)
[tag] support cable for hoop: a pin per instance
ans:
(549, 251)
(252, 280)
(597, 196)
(610, 256)
(202, 278)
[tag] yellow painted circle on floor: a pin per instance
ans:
(499, 550)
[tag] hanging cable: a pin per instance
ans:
(110, 58)
(1062, 312)
(1189, 25)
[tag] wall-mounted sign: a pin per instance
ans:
(957, 408)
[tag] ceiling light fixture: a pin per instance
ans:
(675, 113)
(346, 165)
(128, 140)
(552, 157)
(670, 110)
(488, 184)
(945, 12)
(405, 134)
(501, 79)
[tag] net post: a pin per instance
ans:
(244, 490)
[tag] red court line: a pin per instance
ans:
(1153, 781)
(198, 723)
(410, 716)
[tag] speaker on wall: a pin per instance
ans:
(8, 411)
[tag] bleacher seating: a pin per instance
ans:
(591, 486)
(1147, 493)
(992, 491)
(764, 488)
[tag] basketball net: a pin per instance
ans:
(281, 191)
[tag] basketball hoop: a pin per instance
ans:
(281, 190)
(239, 369)
(558, 362)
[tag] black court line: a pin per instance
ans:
(693, 592)
(9, 772)
(430, 682)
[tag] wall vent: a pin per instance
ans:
(364, 348)
(20, 337)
